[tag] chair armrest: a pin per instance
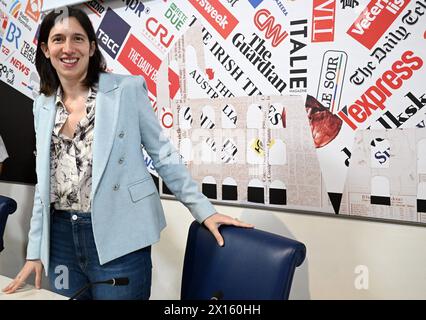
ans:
(7, 206)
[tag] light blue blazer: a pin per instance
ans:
(126, 209)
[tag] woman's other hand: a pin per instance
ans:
(215, 220)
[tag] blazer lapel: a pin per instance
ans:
(46, 119)
(106, 116)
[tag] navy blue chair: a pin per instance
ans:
(252, 265)
(7, 206)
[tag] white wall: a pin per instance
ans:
(394, 254)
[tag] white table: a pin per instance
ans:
(28, 292)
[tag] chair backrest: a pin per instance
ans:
(252, 265)
(7, 206)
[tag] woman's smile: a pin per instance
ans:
(69, 62)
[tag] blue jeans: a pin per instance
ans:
(74, 262)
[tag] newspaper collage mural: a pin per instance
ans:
(295, 104)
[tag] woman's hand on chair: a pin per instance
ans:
(215, 220)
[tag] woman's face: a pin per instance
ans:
(69, 49)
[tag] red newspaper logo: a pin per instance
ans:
(374, 20)
(33, 9)
(376, 95)
(138, 59)
(217, 15)
(263, 20)
(156, 29)
(323, 13)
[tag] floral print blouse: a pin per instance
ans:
(71, 159)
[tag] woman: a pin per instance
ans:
(96, 209)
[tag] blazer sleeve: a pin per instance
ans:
(35, 233)
(167, 160)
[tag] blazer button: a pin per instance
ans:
(116, 187)
(121, 135)
(121, 160)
